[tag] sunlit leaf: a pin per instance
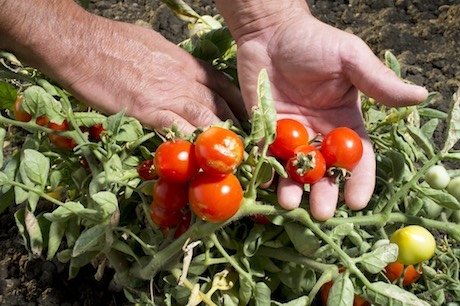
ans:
(453, 123)
(388, 294)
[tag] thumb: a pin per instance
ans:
(376, 80)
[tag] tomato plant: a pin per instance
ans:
(307, 166)
(175, 160)
(415, 243)
(395, 270)
(170, 195)
(61, 142)
(215, 198)
(219, 151)
(290, 134)
(342, 147)
(23, 116)
(326, 289)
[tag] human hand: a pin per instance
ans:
(113, 66)
(316, 72)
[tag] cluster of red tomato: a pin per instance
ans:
(59, 141)
(305, 163)
(198, 173)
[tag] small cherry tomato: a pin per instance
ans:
(453, 187)
(395, 270)
(146, 170)
(175, 160)
(95, 132)
(326, 288)
(219, 151)
(342, 147)
(415, 243)
(215, 198)
(164, 217)
(59, 141)
(307, 166)
(437, 177)
(290, 134)
(23, 116)
(170, 195)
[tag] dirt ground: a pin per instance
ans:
(423, 34)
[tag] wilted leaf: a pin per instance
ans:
(453, 123)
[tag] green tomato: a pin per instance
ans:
(437, 177)
(454, 187)
(415, 243)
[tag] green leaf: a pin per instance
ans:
(8, 95)
(262, 294)
(88, 119)
(69, 210)
(56, 233)
(303, 239)
(378, 259)
(453, 123)
(107, 202)
(91, 240)
(36, 166)
(130, 130)
(441, 197)
(38, 102)
(421, 140)
(341, 231)
(381, 293)
(7, 198)
(392, 62)
(182, 10)
(264, 116)
(342, 292)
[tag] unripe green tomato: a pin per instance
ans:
(437, 177)
(454, 187)
(415, 243)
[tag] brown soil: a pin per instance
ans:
(423, 34)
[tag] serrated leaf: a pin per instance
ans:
(91, 240)
(453, 123)
(379, 258)
(381, 293)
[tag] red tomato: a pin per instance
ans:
(170, 195)
(23, 116)
(164, 217)
(342, 147)
(175, 160)
(215, 198)
(219, 151)
(61, 142)
(326, 288)
(290, 134)
(95, 132)
(395, 270)
(307, 166)
(146, 170)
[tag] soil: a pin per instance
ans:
(423, 34)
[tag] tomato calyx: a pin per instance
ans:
(338, 174)
(304, 162)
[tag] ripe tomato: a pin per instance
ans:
(290, 134)
(326, 288)
(415, 243)
(184, 224)
(215, 198)
(219, 151)
(170, 195)
(342, 147)
(175, 160)
(146, 170)
(395, 270)
(164, 217)
(61, 142)
(95, 132)
(23, 116)
(307, 166)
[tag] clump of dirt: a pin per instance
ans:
(423, 34)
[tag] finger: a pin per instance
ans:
(359, 188)
(323, 199)
(289, 193)
(230, 104)
(375, 79)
